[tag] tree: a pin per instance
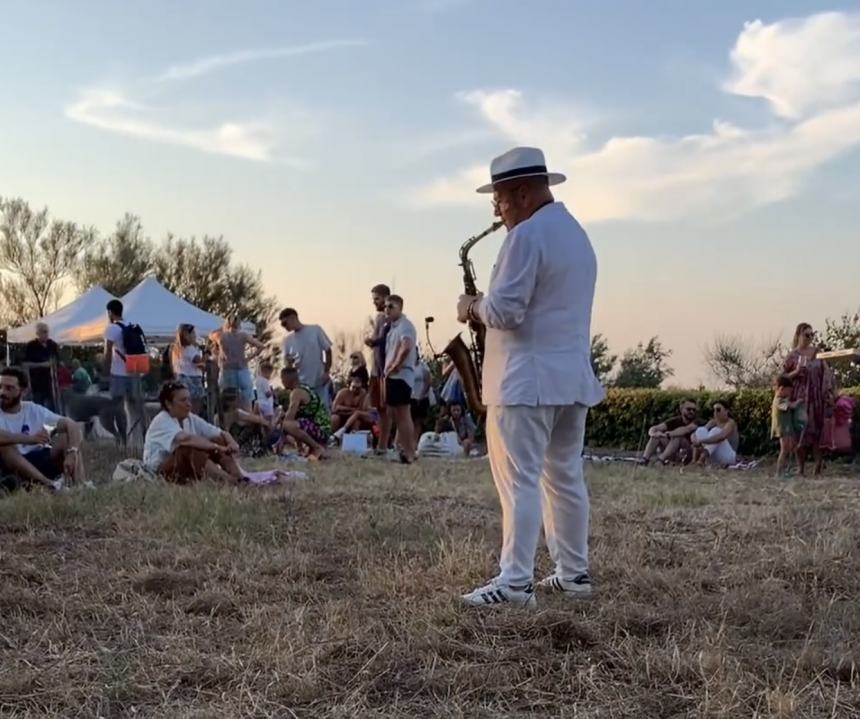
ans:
(36, 255)
(740, 364)
(118, 262)
(645, 366)
(843, 334)
(602, 362)
(203, 273)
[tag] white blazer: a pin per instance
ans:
(538, 315)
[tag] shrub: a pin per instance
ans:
(623, 419)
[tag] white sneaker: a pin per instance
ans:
(493, 594)
(578, 587)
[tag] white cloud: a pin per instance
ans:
(110, 110)
(727, 170)
(115, 111)
(799, 65)
(205, 65)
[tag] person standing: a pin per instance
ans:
(538, 383)
(309, 349)
(42, 351)
(379, 295)
(123, 387)
(812, 398)
(401, 356)
(187, 364)
(231, 343)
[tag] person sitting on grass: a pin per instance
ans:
(718, 440)
(306, 419)
(183, 447)
(672, 437)
(358, 368)
(27, 452)
(253, 432)
(351, 402)
(458, 420)
(81, 380)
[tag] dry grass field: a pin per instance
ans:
(726, 595)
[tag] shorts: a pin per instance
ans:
(398, 393)
(123, 386)
(42, 460)
(239, 379)
(195, 386)
(420, 408)
(790, 422)
(313, 430)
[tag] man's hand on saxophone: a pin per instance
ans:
(467, 308)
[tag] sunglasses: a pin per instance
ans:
(186, 328)
(809, 335)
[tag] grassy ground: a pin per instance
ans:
(718, 596)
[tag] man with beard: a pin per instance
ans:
(26, 448)
(379, 295)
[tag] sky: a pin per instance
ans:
(712, 149)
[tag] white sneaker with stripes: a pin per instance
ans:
(494, 594)
(577, 588)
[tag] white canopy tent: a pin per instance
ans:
(158, 312)
(66, 321)
(152, 306)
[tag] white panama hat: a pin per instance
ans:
(520, 162)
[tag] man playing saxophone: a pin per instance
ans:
(537, 380)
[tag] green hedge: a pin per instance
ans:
(623, 419)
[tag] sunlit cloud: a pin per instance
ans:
(205, 65)
(111, 111)
(725, 171)
(799, 65)
(116, 110)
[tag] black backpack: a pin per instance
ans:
(133, 339)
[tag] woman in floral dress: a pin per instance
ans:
(812, 389)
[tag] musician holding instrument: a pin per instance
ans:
(537, 380)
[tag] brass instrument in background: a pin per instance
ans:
(469, 361)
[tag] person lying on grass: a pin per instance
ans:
(27, 451)
(306, 419)
(184, 447)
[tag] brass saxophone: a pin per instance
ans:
(469, 361)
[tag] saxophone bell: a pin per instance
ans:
(469, 361)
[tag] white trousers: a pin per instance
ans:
(722, 453)
(536, 459)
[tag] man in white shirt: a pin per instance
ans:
(401, 356)
(26, 447)
(122, 386)
(537, 380)
(309, 349)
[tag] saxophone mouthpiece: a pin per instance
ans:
(429, 320)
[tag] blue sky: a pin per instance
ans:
(712, 149)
